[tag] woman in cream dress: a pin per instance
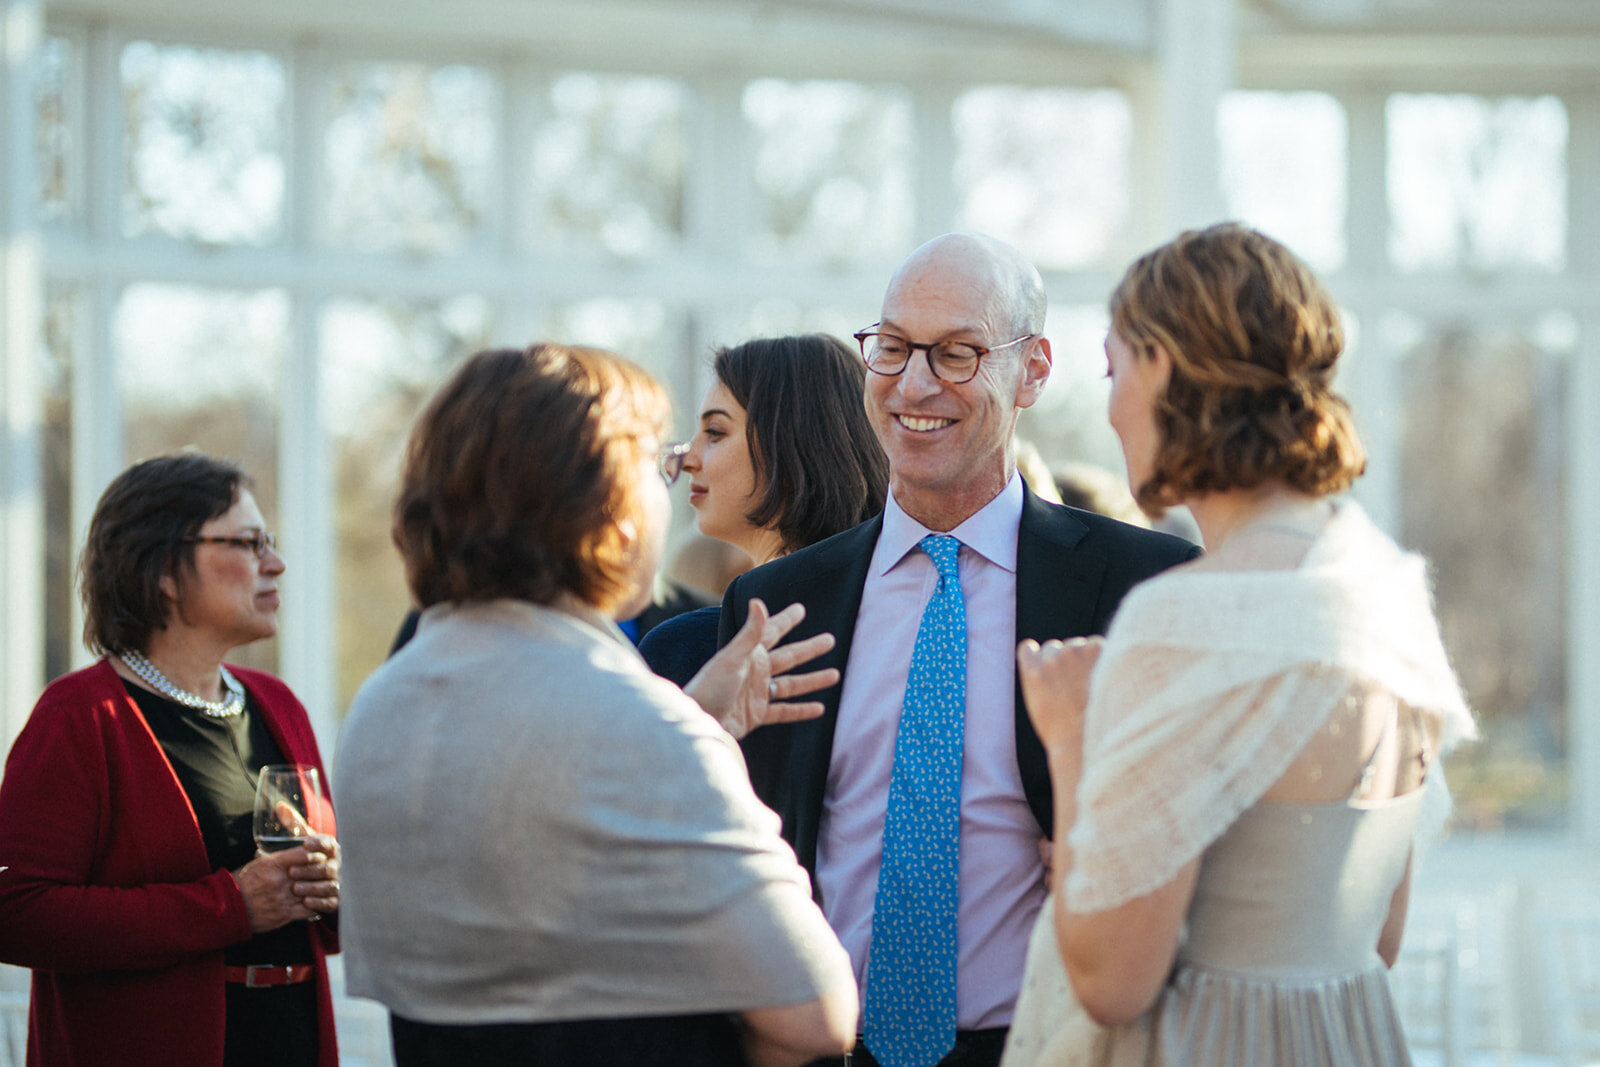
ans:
(1247, 757)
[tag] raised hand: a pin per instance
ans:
(747, 684)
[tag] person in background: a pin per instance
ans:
(706, 565)
(129, 876)
(1093, 488)
(784, 458)
(920, 796)
(1243, 761)
(553, 856)
(1034, 470)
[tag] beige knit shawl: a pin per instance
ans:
(1211, 682)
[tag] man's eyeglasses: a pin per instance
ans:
(258, 542)
(670, 461)
(950, 361)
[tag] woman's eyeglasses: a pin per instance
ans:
(670, 461)
(258, 542)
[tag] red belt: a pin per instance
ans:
(258, 975)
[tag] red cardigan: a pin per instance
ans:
(105, 890)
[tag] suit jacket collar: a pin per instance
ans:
(1057, 589)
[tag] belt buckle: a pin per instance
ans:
(253, 969)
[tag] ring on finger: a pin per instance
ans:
(772, 689)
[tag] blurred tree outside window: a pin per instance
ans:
(55, 145)
(1276, 144)
(380, 361)
(833, 165)
(1047, 170)
(1476, 184)
(1484, 474)
(58, 359)
(204, 132)
(199, 368)
(651, 333)
(411, 151)
(610, 158)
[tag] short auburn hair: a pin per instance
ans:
(819, 469)
(519, 474)
(1253, 337)
(139, 534)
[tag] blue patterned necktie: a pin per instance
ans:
(911, 974)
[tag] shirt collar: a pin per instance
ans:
(991, 531)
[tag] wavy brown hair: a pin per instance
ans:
(1253, 338)
(519, 474)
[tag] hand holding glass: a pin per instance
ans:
(289, 804)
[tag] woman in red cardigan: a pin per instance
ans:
(129, 878)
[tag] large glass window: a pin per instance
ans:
(410, 151)
(199, 368)
(1045, 169)
(833, 164)
(1477, 184)
(1284, 169)
(609, 164)
(380, 361)
(1484, 472)
(204, 129)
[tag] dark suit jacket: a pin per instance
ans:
(1073, 568)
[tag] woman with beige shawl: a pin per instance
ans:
(1247, 758)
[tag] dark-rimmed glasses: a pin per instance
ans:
(258, 542)
(955, 362)
(670, 461)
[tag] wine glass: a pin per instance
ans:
(289, 805)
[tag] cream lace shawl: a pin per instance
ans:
(1210, 683)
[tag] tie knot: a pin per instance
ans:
(944, 550)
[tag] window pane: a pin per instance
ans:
(380, 363)
(200, 368)
(1477, 184)
(204, 156)
(832, 171)
(57, 358)
(609, 164)
(1045, 169)
(410, 156)
(1284, 169)
(1484, 472)
(1068, 423)
(780, 317)
(645, 331)
(56, 115)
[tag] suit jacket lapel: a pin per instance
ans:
(1057, 589)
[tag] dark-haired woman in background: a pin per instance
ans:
(129, 877)
(784, 458)
(1243, 771)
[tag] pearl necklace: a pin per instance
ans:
(225, 708)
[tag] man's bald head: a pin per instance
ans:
(1008, 283)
